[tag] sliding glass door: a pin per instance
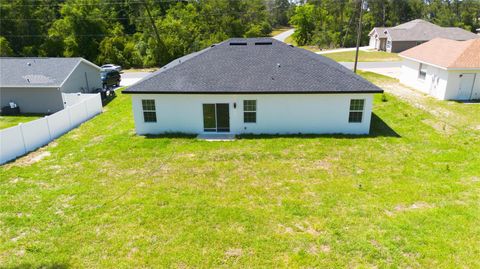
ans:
(216, 118)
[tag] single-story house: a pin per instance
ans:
(36, 84)
(446, 69)
(378, 38)
(253, 85)
(413, 33)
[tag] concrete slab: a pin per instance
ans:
(214, 137)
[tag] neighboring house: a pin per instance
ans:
(413, 33)
(36, 84)
(253, 85)
(445, 69)
(378, 38)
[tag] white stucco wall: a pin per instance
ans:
(276, 113)
(430, 85)
(372, 43)
(33, 99)
(82, 76)
(445, 88)
(454, 81)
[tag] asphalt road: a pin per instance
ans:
(284, 35)
(390, 69)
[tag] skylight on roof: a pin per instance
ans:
(263, 43)
(238, 43)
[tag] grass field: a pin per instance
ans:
(9, 121)
(405, 196)
(363, 56)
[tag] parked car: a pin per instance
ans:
(110, 78)
(112, 66)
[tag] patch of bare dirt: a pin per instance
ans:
(439, 126)
(30, 158)
(234, 252)
(415, 98)
(96, 140)
(412, 207)
(325, 248)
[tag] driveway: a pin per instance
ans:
(284, 35)
(130, 78)
(390, 69)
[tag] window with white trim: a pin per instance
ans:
(249, 111)
(356, 110)
(422, 71)
(149, 112)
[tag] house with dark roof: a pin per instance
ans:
(444, 68)
(39, 85)
(253, 85)
(413, 33)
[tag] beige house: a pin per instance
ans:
(413, 33)
(446, 69)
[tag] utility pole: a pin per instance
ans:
(359, 35)
(152, 21)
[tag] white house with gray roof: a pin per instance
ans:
(253, 86)
(413, 33)
(36, 84)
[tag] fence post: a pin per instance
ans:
(48, 127)
(86, 108)
(69, 117)
(23, 138)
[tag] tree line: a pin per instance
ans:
(132, 33)
(144, 33)
(333, 23)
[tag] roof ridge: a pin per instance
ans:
(165, 68)
(466, 51)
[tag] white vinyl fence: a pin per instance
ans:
(70, 99)
(25, 137)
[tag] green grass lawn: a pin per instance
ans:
(363, 56)
(9, 121)
(405, 196)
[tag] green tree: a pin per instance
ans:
(5, 49)
(79, 32)
(303, 21)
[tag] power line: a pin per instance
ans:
(110, 3)
(129, 18)
(100, 3)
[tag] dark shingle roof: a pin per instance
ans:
(36, 71)
(251, 68)
(420, 30)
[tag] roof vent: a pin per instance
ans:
(238, 43)
(29, 64)
(263, 43)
